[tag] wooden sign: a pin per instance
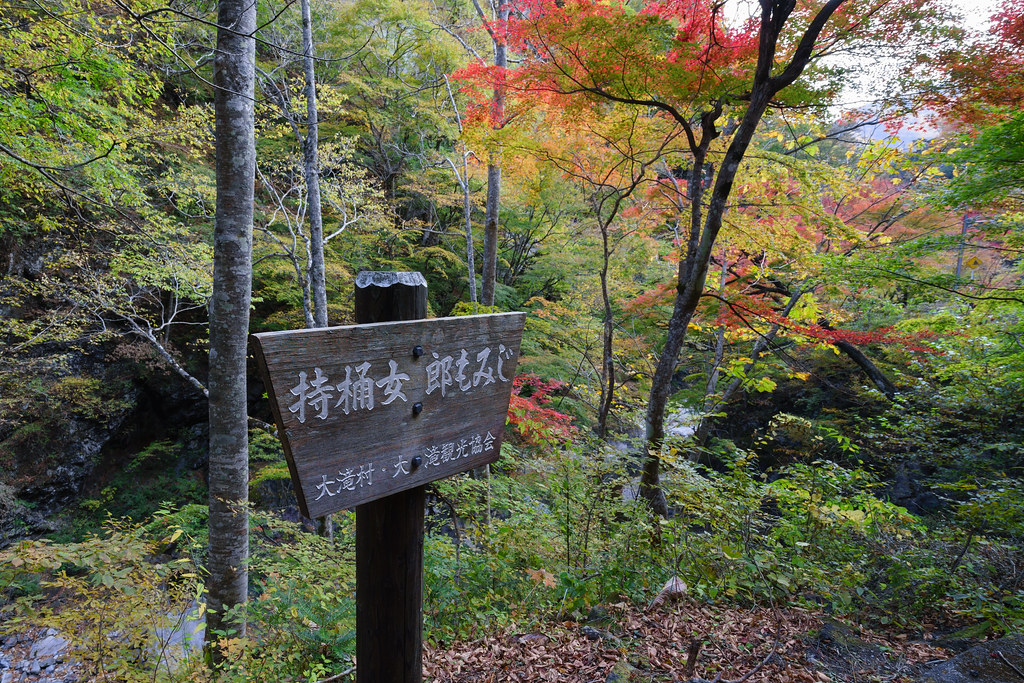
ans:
(365, 411)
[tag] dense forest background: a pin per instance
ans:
(774, 349)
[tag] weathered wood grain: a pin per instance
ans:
(341, 460)
(389, 531)
(389, 296)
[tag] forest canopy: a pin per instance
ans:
(770, 255)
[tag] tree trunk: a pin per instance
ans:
(467, 211)
(490, 265)
(311, 168)
(694, 268)
(877, 377)
(234, 77)
(490, 255)
(693, 271)
(688, 290)
(607, 357)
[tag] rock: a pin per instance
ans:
(5, 663)
(592, 633)
(681, 423)
(995, 661)
(195, 448)
(837, 647)
(7, 677)
(273, 493)
(965, 638)
(50, 646)
(34, 668)
(10, 641)
(599, 616)
(623, 672)
(907, 490)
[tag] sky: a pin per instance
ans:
(976, 12)
(976, 15)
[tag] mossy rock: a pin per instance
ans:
(995, 661)
(965, 638)
(271, 489)
(624, 672)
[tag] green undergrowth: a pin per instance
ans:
(545, 534)
(162, 473)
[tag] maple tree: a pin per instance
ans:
(611, 159)
(987, 80)
(985, 73)
(684, 62)
(531, 416)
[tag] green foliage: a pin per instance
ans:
(559, 537)
(264, 447)
(122, 605)
(74, 82)
(992, 172)
(161, 475)
(303, 606)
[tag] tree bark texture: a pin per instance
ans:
(693, 269)
(311, 169)
(234, 66)
(467, 212)
(607, 336)
(490, 255)
(389, 531)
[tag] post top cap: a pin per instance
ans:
(388, 278)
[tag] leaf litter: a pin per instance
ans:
(757, 645)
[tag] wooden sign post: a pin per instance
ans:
(389, 531)
(370, 413)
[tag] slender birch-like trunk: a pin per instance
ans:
(467, 213)
(311, 169)
(490, 255)
(234, 77)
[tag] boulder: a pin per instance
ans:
(995, 661)
(624, 672)
(906, 489)
(48, 648)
